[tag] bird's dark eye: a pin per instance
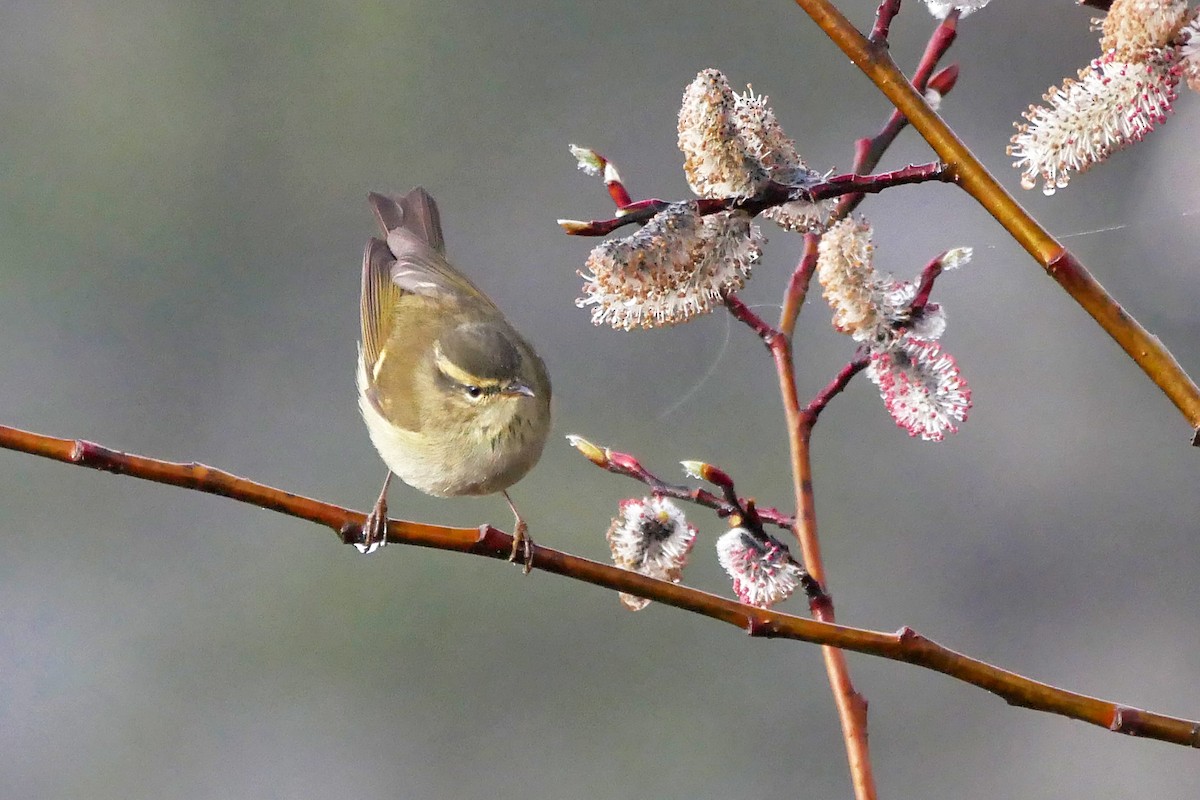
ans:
(473, 392)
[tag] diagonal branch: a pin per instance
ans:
(904, 645)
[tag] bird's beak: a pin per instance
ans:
(517, 389)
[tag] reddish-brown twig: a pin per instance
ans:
(925, 286)
(797, 287)
(835, 386)
(852, 707)
(887, 11)
(627, 465)
(776, 194)
(869, 151)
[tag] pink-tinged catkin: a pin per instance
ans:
(921, 388)
(1189, 52)
(763, 572)
(1113, 105)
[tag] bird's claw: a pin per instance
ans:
(374, 529)
(523, 544)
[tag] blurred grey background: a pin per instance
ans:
(182, 209)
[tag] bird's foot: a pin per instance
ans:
(374, 529)
(522, 549)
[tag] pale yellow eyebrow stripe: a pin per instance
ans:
(458, 374)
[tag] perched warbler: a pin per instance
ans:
(455, 400)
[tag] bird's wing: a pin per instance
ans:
(377, 304)
(398, 327)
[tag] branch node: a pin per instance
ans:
(351, 532)
(486, 533)
(90, 454)
(1126, 720)
(762, 628)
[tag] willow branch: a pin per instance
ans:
(835, 386)
(925, 285)
(797, 288)
(904, 645)
(1145, 349)
(868, 152)
(851, 706)
(776, 194)
(887, 11)
(629, 466)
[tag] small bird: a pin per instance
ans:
(455, 400)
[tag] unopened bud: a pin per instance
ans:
(610, 173)
(590, 162)
(594, 453)
(707, 472)
(944, 79)
(574, 226)
(956, 257)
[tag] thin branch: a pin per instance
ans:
(938, 45)
(887, 11)
(797, 288)
(905, 645)
(851, 706)
(868, 152)
(776, 194)
(925, 285)
(873, 184)
(1145, 350)
(743, 313)
(629, 466)
(834, 387)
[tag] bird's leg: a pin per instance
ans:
(375, 528)
(522, 543)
